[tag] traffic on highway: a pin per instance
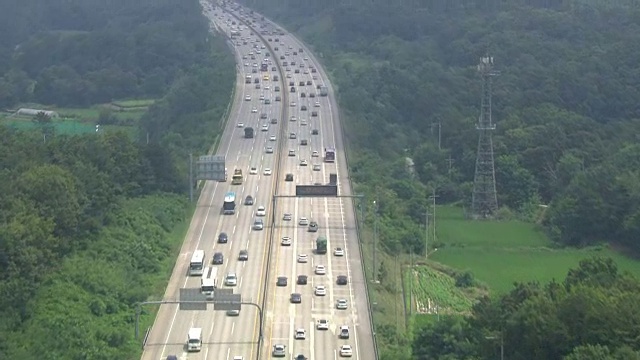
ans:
(294, 260)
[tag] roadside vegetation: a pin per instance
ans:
(566, 157)
(92, 220)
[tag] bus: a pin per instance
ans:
(229, 205)
(209, 281)
(196, 266)
(329, 154)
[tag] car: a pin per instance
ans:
(292, 135)
(262, 211)
(288, 177)
(302, 280)
(346, 351)
(322, 324)
(315, 153)
(317, 104)
(309, 82)
(320, 290)
(274, 121)
(272, 138)
(304, 142)
(303, 108)
(233, 312)
(315, 132)
(292, 152)
(254, 110)
(301, 334)
(342, 280)
(286, 217)
(258, 224)
(253, 170)
(243, 255)
(223, 238)
(231, 279)
(278, 350)
(265, 127)
(303, 94)
(247, 98)
(218, 258)
(239, 357)
(344, 332)
(314, 114)
(172, 357)
(278, 98)
(297, 71)
(320, 270)
(338, 251)
(303, 258)
(312, 95)
(269, 150)
(292, 104)
(303, 122)
(286, 241)
(282, 281)
(341, 304)
(313, 226)
(263, 116)
(267, 171)
(300, 357)
(240, 124)
(303, 221)
(261, 96)
(293, 118)
(303, 162)
(317, 167)
(248, 200)
(296, 298)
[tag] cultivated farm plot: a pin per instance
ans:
(434, 291)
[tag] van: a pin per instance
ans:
(194, 339)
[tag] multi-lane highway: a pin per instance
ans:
(225, 337)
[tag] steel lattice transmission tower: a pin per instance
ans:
(484, 201)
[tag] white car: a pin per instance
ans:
(301, 334)
(253, 170)
(338, 252)
(303, 258)
(261, 211)
(231, 279)
(317, 167)
(346, 351)
(341, 304)
(240, 124)
(322, 324)
(272, 138)
(317, 104)
(315, 153)
(265, 127)
(303, 162)
(303, 221)
(293, 118)
(247, 98)
(267, 87)
(303, 122)
(267, 171)
(286, 217)
(293, 104)
(320, 270)
(269, 150)
(262, 97)
(320, 290)
(254, 110)
(286, 241)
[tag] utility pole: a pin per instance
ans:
(433, 199)
(375, 239)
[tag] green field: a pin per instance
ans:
(134, 103)
(503, 252)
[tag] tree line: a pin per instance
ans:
(88, 220)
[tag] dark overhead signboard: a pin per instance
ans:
(316, 190)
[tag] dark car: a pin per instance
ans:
(309, 82)
(300, 357)
(313, 226)
(223, 238)
(282, 281)
(302, 279)
(301, 83)
(244, 255)
(314, 114)
(296, 298)
(288, 177)
(304, 142)
(248, 200)
(218, 258)
(303, 95)
(342, 280)
(303, 108)
(314, 132)
(312, 95)
(173, 357)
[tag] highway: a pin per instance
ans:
(224, 336)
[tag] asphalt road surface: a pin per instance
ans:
(224, 336)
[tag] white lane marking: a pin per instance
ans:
(311, 341)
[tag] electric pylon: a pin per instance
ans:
(484, 201)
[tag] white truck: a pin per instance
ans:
(194, 339)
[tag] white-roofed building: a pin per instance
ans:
(34, 112)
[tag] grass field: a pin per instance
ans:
(134, 103)
(501, 253)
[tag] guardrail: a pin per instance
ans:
(285, 110)
(342, 138)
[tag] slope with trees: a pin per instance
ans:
(90, 223)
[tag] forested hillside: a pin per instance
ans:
(566, 104)
(90, 224)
